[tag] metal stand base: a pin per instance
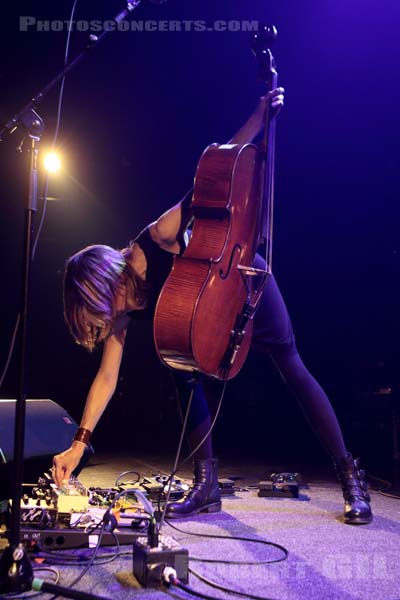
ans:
(16, 574)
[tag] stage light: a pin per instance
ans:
(52, 162)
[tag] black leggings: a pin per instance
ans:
(273, 336)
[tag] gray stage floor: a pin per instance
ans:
(327, 559)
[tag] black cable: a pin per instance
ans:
(213, 584)
(194, 592)
(239, 539)
(248, 563)
(57, 130)
(387, 483)
(58, 556)
(193, 452)
(127, 473)
(39, 230)
(89, 564)
(385, 491)
(65, 592)
(191, 591)
(11, 350)
(177, 456)
(394, 496)
(68, 561)
(185, 460)
(48, 569)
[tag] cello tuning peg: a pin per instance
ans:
(264, 37)
(270, 32)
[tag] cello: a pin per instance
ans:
(204, 315)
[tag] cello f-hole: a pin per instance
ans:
(221, 272)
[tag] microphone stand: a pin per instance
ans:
(16, 573)
(94, 41)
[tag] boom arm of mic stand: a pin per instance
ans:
(16, 574)
(17, 120)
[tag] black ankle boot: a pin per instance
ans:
(357, 510)
(204, 496)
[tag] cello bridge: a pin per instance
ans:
(254, 280)
(252, 271)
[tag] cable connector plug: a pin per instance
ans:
(153, 537)
(169, 576)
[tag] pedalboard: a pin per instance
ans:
(65, 538)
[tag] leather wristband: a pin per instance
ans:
(82, 435)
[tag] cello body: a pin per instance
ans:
(205, 292)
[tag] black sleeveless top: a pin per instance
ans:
(159, 265)
(159, 261)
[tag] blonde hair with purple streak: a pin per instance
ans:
(92, 278)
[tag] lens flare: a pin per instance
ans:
(52, 162)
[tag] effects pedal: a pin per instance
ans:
(38, 514)
(281, 485)
(157, 485)
(149, 563)
(72, 496)
(226, 486)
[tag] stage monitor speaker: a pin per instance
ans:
(48, 430)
